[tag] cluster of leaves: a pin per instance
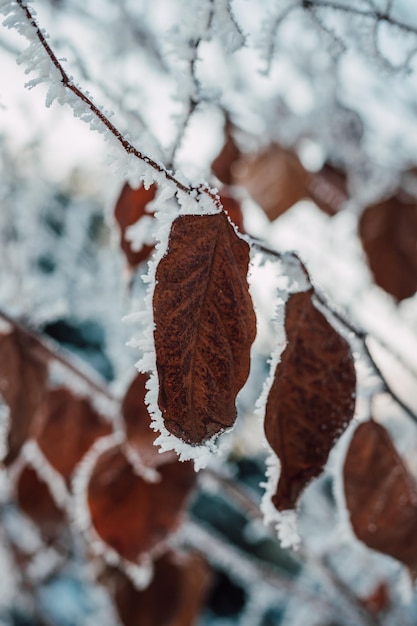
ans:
(73, 464)
(67, 461)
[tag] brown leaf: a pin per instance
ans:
(311, 400)
(222, 166)
(173, 598)
(232, 208)
(328, 189)
(275, 179)
(381, 496)
(138, 425)
(23, 378)
(35, 500)
(130, 207)
(204, 326)
(388, 231)
(68, 426)
(131, 515)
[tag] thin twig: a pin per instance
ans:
(49, 350)
(359, 333)
(379, 16)
(126, 145)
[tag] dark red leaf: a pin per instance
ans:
(328, 188)
(381, 496)
(388, 231)
(173, 598)
(204, 326)
(67, 428)
(35, 500)
(312, 398)
(23, 378)
(131, 515)
(275, 179)
(130, 207)
(138, 425)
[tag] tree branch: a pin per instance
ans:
(126, 145)
(379, 16)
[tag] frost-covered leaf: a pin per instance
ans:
(173, 598)
(328, 188)
(23, 378)
(36, 501)
(275, 179)
(131, 207)
(312, 398)
(388, 231)
(204, 326)
(67, 427)
(381, 496)
(137, 423)
(134, 516)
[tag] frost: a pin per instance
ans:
(36, 459)
(226, 26)
(141, 233)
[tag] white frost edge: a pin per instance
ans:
(140, 575)
(62, 376)
(284, 522)
(35, 458)
(196, 204)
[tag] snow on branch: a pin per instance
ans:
(40, 57)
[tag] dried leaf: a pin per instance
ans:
(130, 207)
(204, 326)
(311, 400)
(328, 189)
(68, 427)
(35, 500)
(222, 166)
(138, 425)
(181, 580)
(381, 496)
(275, 179)
(388, 231)
(23, 378)
(131, 515)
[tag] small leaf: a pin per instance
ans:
(381, 495)
(23, 378)
(130, 207)
(311, 400)
(131, 515)
(388, 231)
(328, 189)
(35, 500)
(173, 598)
(68, 426)
(204, 326)
(138, 425)
(275, 179)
